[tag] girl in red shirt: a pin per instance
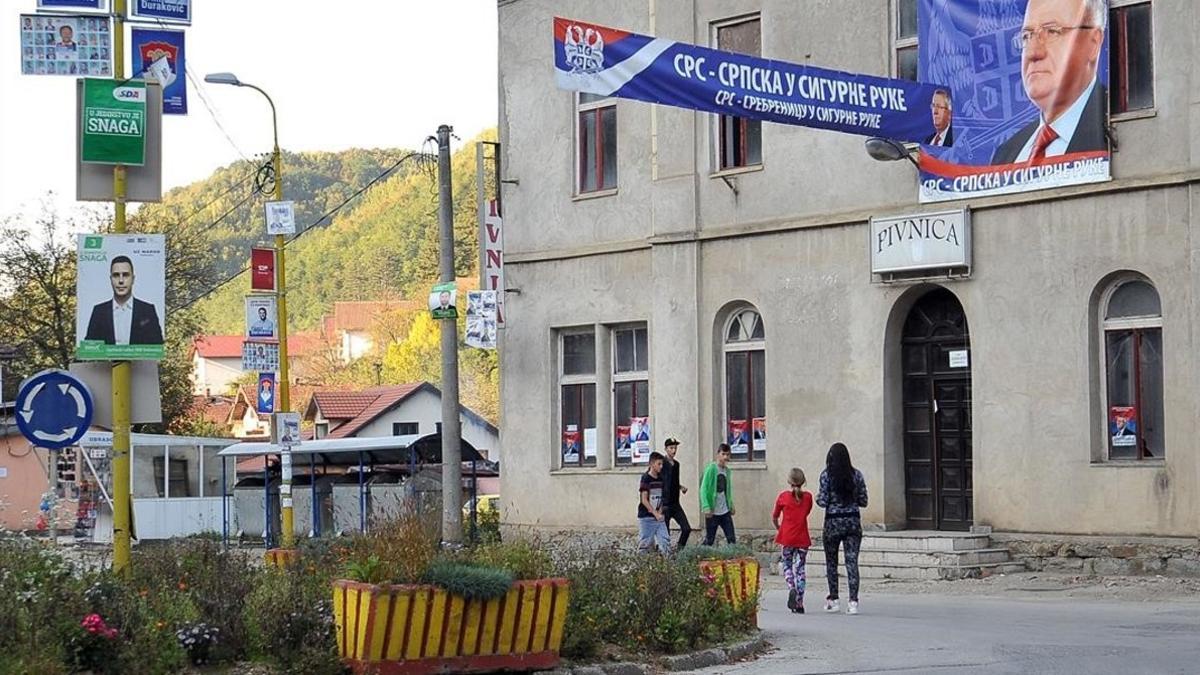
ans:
(791, 524)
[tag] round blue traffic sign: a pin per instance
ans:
(54, 409)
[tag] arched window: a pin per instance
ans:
(745, 357)
(1133, 369)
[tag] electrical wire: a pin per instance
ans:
(212, 113)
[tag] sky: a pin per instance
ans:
(355, 73)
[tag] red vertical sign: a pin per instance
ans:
(262, 269)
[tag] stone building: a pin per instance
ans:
(711, 274)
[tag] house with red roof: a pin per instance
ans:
(349, 328)
(217, 360)
(394, 410)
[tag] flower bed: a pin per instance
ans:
(383, 628)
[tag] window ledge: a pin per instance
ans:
(596, 194)
(594, 470)
(1131, 463)
(736, 171)
(1134, 115)
(752, 466)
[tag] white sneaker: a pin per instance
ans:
(831, 605)
(852, 607)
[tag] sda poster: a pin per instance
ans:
(1023, 100)
(121, 297)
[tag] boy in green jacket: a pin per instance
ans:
(716, 498)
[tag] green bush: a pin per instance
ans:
(724, 552)
(486, 529)
(523, 559)
(289, 618)
(469, 581)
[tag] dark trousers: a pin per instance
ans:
(850, 542)
(677, 514)
(725, 520)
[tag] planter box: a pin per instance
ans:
(281, 557)
(423, 629)
(738, 579)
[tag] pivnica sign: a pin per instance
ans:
(922, 241)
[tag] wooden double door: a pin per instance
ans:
(937, 414)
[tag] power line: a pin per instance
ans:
(420, 156)
(212, 113)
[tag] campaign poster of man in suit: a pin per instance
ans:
(1028, 83)
(941, 109)
(120, 297)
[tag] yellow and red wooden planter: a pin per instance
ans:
(388, 629)
(737, 579)
(282, 557)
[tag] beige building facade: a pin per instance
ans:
(664, 265)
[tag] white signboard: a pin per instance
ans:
(121, 296)
(281, 217)
(481, 319)
(959, 359)
(491, 261)
(261, 317)
(260, 357)
(921, 241)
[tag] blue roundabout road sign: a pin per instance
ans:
(54, 409)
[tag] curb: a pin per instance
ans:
(706, 658)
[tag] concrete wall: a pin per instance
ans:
(677, 248)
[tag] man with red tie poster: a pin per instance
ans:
(1061, 43)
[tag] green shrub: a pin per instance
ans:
(469, 581)
(404, 545)
(523, 559)
(289, 618)
(724, 552)
(486, 529)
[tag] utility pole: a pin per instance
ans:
(287, 515)
(451, 431)
(121, 371)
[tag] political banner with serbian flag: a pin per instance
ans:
(1026, 99)
(609, 62)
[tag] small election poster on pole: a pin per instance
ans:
(172, 11)
(262, 269)
(158, 55)
(260, 356)
(441, 301)
(66, 45)
(121, 297)
(261, 313)
(264, 399)
(281, 217)
(114, 122)
(481, 319)
(286, 430)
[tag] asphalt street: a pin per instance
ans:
(939, 634)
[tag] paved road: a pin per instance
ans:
(943, 635)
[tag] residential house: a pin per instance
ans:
(217, 360)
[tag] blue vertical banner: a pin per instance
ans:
(264, 399)
(1025, 106)
(158, 54)
(73, 4)
(176, 11)
(610, 62)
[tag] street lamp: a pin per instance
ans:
(285, 492)
(887, 150)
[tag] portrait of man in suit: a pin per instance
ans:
(124, 320)
(942, 112)
(1060, 43)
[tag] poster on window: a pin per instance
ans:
(639, 433)
(758, 429)
(589, 443)
(739, 436)
(1122, 425)
(570, 444)
(1025, 96)
(624, 443)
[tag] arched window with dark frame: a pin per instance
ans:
(1133, 370)
(745, 360)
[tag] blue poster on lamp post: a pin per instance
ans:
(158, 54)
(176, 11)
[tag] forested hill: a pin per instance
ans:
(381, 245)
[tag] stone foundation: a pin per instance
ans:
(1096, 555)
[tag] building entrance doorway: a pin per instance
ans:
(936, 366)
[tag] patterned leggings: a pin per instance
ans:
(850, 541)
(793, 570)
